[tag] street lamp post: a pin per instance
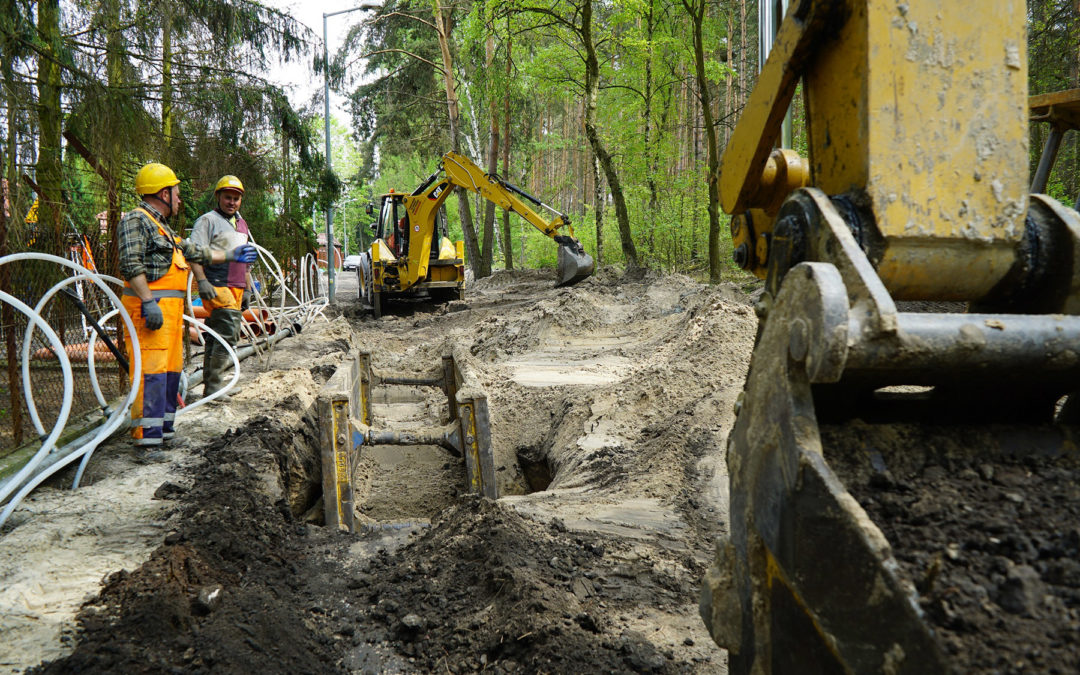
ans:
(345, 223)
(326, 119)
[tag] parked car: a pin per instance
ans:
(351, 262)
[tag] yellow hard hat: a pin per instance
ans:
(153, 178)
(229, 183)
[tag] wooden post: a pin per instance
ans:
(475, 428)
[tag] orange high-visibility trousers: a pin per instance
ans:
(154, 409)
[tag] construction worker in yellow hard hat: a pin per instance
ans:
(155, 263)
(222, 287)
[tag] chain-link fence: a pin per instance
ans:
(89, 239)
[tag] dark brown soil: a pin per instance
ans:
(485, 590)
(230, 538)
(986, 527)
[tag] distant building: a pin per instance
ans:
(338, 257)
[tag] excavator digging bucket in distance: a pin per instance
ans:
(574, 263)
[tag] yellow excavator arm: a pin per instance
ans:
(574, 264)
(463, 173)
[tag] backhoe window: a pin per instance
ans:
(385, 218)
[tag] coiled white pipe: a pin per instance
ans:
(236, 369)
(49, 441)
(111, 423)
(93, 335)
(308, 307)
(304, 270)
(79, 270)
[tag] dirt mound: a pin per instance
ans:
(502, 279)
(983, 529)
(485, 589)
(220, 595)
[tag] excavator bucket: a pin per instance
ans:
(574, 263)
(888, 462)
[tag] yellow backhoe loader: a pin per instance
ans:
(914, 197)
(403, 260)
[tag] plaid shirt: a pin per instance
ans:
(143, 249)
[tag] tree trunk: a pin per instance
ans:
(598, 208)
(48, 174)
(586, 162)
(7, 316)
(508, 247)
(592, 90)
(729, 90)
(696, 10)
(493, 161)
(9, 166)
(743, 60)
(114, 154)
(442, 28)
(12, 120)
(650, 150)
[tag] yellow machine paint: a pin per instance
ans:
(916, 111)
(401, 261)
(915, 188)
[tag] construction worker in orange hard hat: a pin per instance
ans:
(222, 286)
(155, 263)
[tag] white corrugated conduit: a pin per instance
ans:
(49, 459)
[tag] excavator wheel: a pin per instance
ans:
(367, 290)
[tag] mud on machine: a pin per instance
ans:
(915, 189)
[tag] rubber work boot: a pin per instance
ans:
(216, 360)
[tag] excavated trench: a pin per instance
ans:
(536, 470)
(408, 483)
(608, 446)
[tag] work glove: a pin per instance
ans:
(243, 254)
(152, 315)
(206, 290)
(245, 301)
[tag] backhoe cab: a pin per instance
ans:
(402, 259)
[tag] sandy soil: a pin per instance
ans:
(610, 402)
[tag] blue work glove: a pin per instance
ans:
(206, 290)
(152, 315)
(243, 254)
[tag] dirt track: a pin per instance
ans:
(610, 402)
